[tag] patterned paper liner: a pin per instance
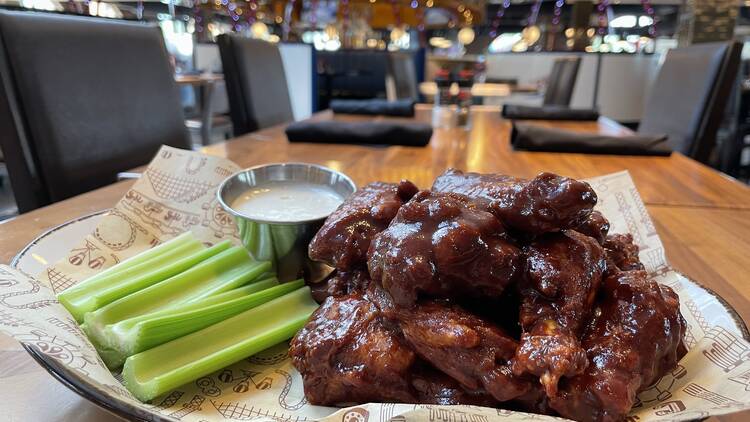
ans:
(177, 193)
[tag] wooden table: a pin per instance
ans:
(198, 79)
(703, 218)
(477, 90)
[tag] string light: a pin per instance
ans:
(557, 12)
(231, 10)
(198, 16)
(602, 10)
(649, 8)
(252, 13)
(534, 12)
(498, 16)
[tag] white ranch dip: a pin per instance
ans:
(287, 201)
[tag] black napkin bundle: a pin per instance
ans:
(530, 137)
(369, 133)
(522, 112)
(373, 107)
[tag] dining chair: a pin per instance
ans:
(256, 83)
(214, 113)
(402, 75)
(688, 98)
(562, 81)
(81, 99)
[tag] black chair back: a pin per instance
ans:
(403, 72)
(81, 99)
(256, 84)
(562, 81)
(689, 96)
(351, 74)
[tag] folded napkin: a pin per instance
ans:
(374, 106)
(531, 137)
(513, 111)
(370, 133)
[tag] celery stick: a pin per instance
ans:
(218, 298)
(146, 331)
(253, 287)
(160, 272)
(224, 271)
(156, 371)
(114, 345)
(90, 294)
(146, 255)
(110, 322)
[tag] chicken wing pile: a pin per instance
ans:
(486, 290)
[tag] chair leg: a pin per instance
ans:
(206, 112)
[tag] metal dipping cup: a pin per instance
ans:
(283, 243)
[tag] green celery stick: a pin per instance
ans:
(224, 271)
(161, 369)
(218, 298)
(144, 332)
(113, 350)
(146, 255)
(253, 287)
(155, 273)
(90, 294)
(163, 271)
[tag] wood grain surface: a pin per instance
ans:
(702, 216)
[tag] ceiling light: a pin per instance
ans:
(624, 21)
(466, 35)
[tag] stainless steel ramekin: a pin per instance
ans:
(283, 243)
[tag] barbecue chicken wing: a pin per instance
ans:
(547, 203)
(343, 240)
(563, 274)
(622, 253)
(434, 387)
(339, 284)
(596, 226)
(442, 244)
(463, 346)
(635, 337)
(346, 355)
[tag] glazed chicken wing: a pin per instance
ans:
(343, 240)
(340, 283)
(563, 274)
(487, 290)
(434, 387)
(635, 337)
(596, 226)
(622, 253)
(547, 203)
(463, 346)
(442, 244)
(346, 355)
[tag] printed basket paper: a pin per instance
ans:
(177, 193)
